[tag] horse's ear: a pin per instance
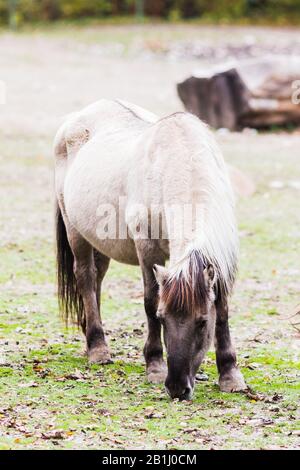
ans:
(161, 274)
(209, 275)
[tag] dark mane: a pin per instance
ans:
(187, 291)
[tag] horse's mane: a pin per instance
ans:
(186, 290)
(199, 178)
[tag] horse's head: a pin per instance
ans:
(187, 313)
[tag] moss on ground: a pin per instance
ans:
(51, 398)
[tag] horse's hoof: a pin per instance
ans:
(232, 381)
(157, 372)
(99, 355)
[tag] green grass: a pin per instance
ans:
(264, 20)
(50, 396)
(152, 33)
(113, 406)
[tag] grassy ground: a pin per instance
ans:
(50, 397)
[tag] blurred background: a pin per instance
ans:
(17, 12)
(57, 57)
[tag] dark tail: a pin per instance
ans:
(70, 301)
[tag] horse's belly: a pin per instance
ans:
(90, 219)
(92, 205)
(96, 197)
(120, 250)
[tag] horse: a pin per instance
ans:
(177, 205)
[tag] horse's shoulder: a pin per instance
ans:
(138, 112)
(174, 130)
(179, 122)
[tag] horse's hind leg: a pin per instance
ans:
(89, 279)
(101, 263)
(230, 377)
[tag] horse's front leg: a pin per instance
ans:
(153, 350)
(230, 377)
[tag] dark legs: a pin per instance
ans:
(153, 350)
(230, 378)
(101, 263)
(89, 271)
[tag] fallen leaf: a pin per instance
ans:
(258, 422)
(294, 433)
(77, 375)
(28, 384)
(55, 434)
(151, 413)
(253, 396)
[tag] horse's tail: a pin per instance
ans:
(70, 301)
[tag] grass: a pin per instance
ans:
(155, 34)
(51, 398)
(282, 21)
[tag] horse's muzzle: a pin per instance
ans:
(181, 390)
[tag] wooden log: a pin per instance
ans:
(251, 94)
(220, 100)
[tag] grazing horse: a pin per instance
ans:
(142, 190)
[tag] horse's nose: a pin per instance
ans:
(187, 394)
(182, 390)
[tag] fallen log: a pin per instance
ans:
(254, 93)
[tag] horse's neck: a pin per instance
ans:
(178, 250)
(185, 208)
(192, 174)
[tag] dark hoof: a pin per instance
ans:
(232, 381)
(157, 372)
(99, 355)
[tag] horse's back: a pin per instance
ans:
(114, 150)
(106, 119)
